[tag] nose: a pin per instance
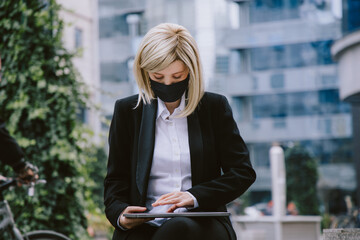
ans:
(168, 81)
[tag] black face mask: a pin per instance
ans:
(169, 93)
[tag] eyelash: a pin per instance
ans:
(159, 78)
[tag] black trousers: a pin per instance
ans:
(182, 228)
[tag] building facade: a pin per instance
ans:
(346, 51)
(284, 87)
(81, 36)
(271, 58)
(120, 26)
(124, 23)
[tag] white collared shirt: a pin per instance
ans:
(171, 165)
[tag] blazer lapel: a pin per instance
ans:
(196, 146)
(146, 146)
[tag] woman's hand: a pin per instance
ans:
(129, 223)
(178, 199)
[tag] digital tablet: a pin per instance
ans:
(178, 214)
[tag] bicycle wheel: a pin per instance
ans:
(44, 235)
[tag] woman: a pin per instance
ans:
(173, 147)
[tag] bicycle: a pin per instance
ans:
(8, 229)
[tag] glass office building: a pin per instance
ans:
(122, 24)
(346, 51)
(284, 88)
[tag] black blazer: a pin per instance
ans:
(220, 167)
(10, 152)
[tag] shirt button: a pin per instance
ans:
(177, 185)
(174, 139)
(170, 123)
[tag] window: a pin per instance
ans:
(277, 80)
(241, 108)
(271, 106)
(291, 56)
(328, 126)
(321, 102)
(106, 27)
(277, 10)
(115, 25)
(114, 71)
(82, 115)
(222, 64)
(274, 10)
(351, 19)
(260, 154)
(325, 151)
(255, 83)
(78, 38)
(328, 96)
(330, 150)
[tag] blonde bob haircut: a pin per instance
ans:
(161, 46)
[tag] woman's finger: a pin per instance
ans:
(166, 197)
(133, 209)
(133, 222)
(173, 208)
(181, 203)
(180, 199)
(166, 201)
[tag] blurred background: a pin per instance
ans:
(272, 59)
(288, 67)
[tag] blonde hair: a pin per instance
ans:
(161, 46)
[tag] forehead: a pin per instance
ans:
(174, 67)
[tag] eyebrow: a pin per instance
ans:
(172, 74)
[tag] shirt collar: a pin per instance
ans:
(164, 112)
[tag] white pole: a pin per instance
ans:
(277, 163)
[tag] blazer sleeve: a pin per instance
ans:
(233, 157)
(117, 180)
(10, 152)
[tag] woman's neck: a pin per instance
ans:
(172, 105)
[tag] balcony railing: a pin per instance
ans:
(280, 33)
(274, 81)
(296, 128)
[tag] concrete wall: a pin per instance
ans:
(347, 51)
(83, 16)
(263, 228)
(339, 234)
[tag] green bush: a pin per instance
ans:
(40, 97)
(301, 179)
